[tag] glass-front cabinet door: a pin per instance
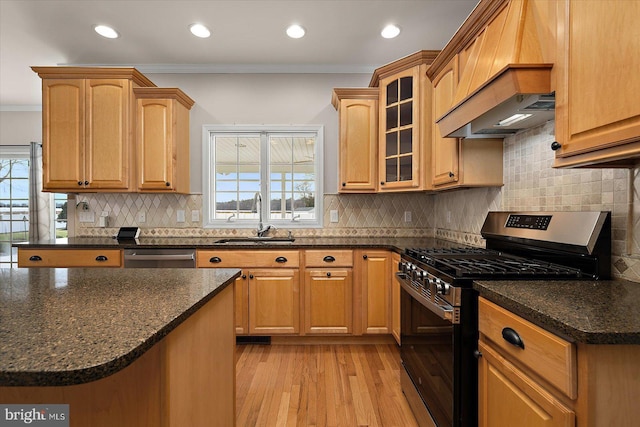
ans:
(399, 131)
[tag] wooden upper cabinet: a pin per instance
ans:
(445, 150)
(358, 145)
(597, 113)
(405, 123)
(162, 140)
(86, 134)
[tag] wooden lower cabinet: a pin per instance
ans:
(508, 397)
(242, 305)
(274, 301)
(328, 296)
(551, 382)
(67, 258)
(374, 267)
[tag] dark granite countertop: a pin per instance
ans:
(397, 244)
(590, 312)
(62, 326)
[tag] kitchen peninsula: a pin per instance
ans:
(143, 347)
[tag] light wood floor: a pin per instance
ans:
(320, 385)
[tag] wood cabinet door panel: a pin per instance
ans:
(274, 301)
(155, 144)
(596, 106)
(241, 294)
(507, 397)
(328, 301)
(63, 123)
(445, 150)
(376, 289)
(358, 145)
(108, 137)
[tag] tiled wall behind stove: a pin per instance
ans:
(531, 183)
(358, 215)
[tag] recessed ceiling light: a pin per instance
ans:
(390, 31)
(295, 31)
(106, 31)
(199, 30)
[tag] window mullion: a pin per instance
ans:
(265, 173)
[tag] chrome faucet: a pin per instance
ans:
(263, 229)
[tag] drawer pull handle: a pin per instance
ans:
(101, 258)
(328, 258)
(215, 260)
(35, 258)
(512, 337)
(281, 260)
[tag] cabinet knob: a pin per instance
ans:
(215, 260)
(244, 276)
(477, 354)
(451, 175)
(79, 182)
(101, 258)
(555, 145)
(251, 276)
(381, 182)
(364, 257)
(281, 260)
(344, 184)
(86, 183)
(328, 274)
(35, 258)
(328, 258)
(168, 184)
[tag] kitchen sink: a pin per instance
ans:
(253, 240)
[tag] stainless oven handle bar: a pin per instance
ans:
(159, 257)
(445, 313)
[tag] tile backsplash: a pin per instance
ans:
(530, 183)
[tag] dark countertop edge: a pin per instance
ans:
(379, 242)
(557, 327)
(94, 373)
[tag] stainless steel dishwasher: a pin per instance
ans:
(159, 258)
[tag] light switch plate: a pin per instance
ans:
(142, 217)
(407, 216)
(333, 215)
(180, 215)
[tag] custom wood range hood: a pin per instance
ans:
(503, 62)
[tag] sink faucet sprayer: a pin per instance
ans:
(262, 228)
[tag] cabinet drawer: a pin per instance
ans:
(328, 258)
(247, 259)
(69, 258)
(543, 353)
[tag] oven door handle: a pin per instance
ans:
(444, 312)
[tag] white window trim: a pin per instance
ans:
(207, 179)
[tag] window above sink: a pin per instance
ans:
(282, 163)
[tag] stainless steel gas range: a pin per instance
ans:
(439, 305)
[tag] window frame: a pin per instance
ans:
(208, 175)
(16, 153)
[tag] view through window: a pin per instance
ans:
(270, 173)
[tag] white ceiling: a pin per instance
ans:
(247, 36)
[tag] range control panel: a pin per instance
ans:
(533, 222)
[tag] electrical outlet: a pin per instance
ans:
(333, 215)
(407, 216)
(180, 216)
(142, 217)
(195, 216)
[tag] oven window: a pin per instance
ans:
(427, 354)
